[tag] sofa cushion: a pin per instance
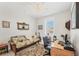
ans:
(28, 42)
(30, 39)
(20, 44)
(35, 39)
(15, 40)
(21, 38)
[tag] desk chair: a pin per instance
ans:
(47, 43)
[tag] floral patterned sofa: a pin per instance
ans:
(18, 43)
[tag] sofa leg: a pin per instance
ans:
(14, 49)
(15, 54)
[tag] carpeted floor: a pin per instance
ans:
(34, 50)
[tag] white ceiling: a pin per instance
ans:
(33, 9)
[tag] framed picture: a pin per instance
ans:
(40, 27)
(26, 26)
(0, 24)
(5, 24)
(22, 26)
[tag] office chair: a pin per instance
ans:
(47, 43)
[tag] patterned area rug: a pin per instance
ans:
(34, 50)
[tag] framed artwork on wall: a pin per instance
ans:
(0, 24)
(22, 26)
(5, 24)
(40, 27)
(26, 26)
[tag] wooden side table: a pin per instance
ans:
(3, 48)
(61, 52)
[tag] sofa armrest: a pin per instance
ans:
(13, 47)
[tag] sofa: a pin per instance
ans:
(18, 43)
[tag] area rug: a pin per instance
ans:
(34, 50)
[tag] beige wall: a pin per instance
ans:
(19, 13)
(14, 12)
(6, 33)
(75, 40)
(60, 19)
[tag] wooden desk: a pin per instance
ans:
(61, 52)
(3, 48)
(56, 45)
(58, 50)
